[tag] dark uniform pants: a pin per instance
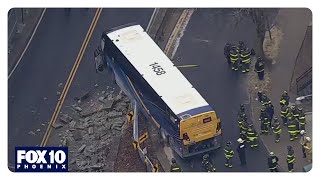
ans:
(228, 162)
(245, 67)
(277, 136)
(274, 169)
(284, 120)
(290, 167)
(235, 65)
(261, 75)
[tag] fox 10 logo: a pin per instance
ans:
(41, 159)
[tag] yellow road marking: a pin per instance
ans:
(71, 76)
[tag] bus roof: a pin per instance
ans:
(141, 51)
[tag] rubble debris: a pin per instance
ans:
(96, 85)
(57, 125)
(90, 130)
(73, 161)
(103, 92)
(97, 166)
(81, 149)
(114, 114)
(65, 142)
(38, 130)
(77, 135)
(43, 124)
(60, 85)
(58, 93)
(77, 108)
(116, 128)
(72, 124)
(65, 118)
(31, 133)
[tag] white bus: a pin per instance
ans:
(164, 95)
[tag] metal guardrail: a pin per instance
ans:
(143, 153)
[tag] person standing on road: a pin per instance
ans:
(207, 164)
(270, 111)
(292, 130)
(284, 114)
(226, 50)
(234, 58)
(228, 153)
(263, 98)
(276, 129)
(302, 142)
(301, 119)
(284, 99)
(174, 166)
(264, 121)
(259, 68)
(252, 136)
(308, 149)
(242, 151)
(290, 158)
(243, 129)
(245, 60)
(273, 162)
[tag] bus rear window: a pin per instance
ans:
(207, 120)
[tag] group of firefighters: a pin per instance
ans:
(241, 56)
(292, 117)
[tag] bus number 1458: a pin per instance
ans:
(157, 68)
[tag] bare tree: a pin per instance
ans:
(260, 18)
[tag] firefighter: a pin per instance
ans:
(259, 68)
(245, 60)
(174, 166)
(273, 162)
(263, 98)
(242, 151)
(284, 114)
(276, 129)
(302, 142)
(292, 128)
(227, 48)
(242, 109)
(234, 58)
(290, 158)
(264, 121)
(228, 153)
(244, 130)
(252, 136)
(295, 111)
(294, 115)
(301, 119)
(284, 99)
(207, 164)
(270, 111)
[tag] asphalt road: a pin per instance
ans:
(202, 44)
(32, 88)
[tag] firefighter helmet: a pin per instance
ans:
(173, 160)
(205, 157)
